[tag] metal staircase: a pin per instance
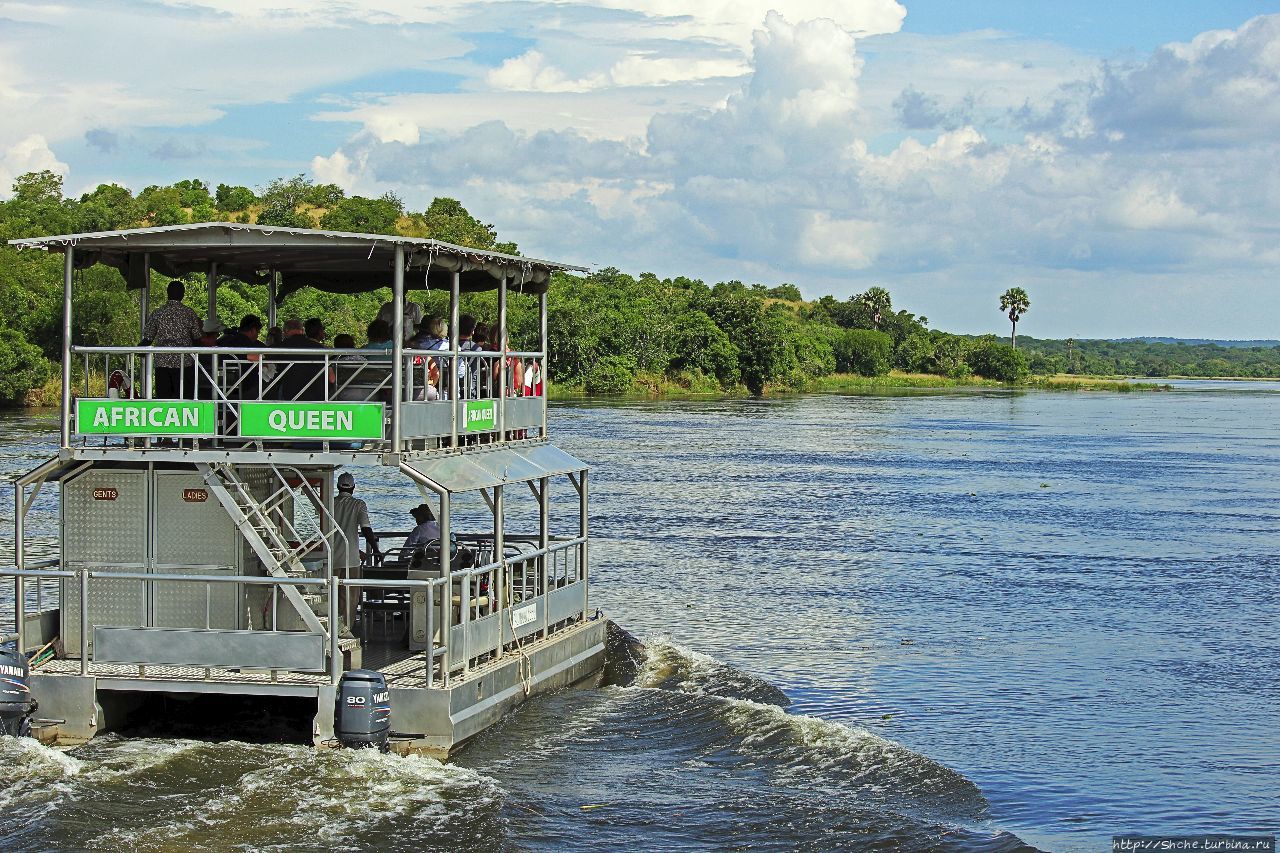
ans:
(267, 526)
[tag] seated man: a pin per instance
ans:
(426, 531)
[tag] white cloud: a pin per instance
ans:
(719, 139)
(31, 154)
(1222, 88)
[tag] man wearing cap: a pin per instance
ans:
(351, 515)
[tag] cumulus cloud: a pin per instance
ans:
(1222, 88)
(31, 154)
(728, 140)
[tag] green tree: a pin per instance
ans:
(110, 207)
(864, 351)
(364, 215)
(878, 302)
(327, 195)
(162, 206)
(233, 199)
(915, 353)
(22, 366)
(193, 193)
(993, 360)
(949, 355)
(448, 221)
(1015, 303)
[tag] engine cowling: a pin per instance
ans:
(362, 714)
(16, 703)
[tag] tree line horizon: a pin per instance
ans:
(609, 330)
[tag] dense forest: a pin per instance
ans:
(610, 331)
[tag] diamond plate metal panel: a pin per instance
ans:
(192, 529)
(104, 527)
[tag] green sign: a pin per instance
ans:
(146, 417)
(480, 416)
(311, 420)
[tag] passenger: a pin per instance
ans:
(240, 380)
(200, 375)
(349, 380)
(484, 377)
(171, 325)
(379, 334)
(351, 516)
(412, 316)
(433, 333)
(297, 377)
(468, 368)
(245, 336)
(432, 336)
(427, 529)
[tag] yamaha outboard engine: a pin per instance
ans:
(16, 704)
(362, 717)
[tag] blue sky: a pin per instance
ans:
(1115, 161)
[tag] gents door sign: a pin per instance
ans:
(146, 417)
(311, 420)
(105, 494)
(480, 416)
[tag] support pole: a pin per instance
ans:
(499, 543)
(503, 370)
(582, 531)
(542, 347)
(20, 586)
(68, 267)
(211, 281)
(544, 542)
(446, 597)
(397, 347)
(144, 296)
(273, 288)
(455, 297)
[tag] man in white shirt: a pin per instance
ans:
(351, 515)
(412, 316)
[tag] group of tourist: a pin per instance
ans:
(297, 376)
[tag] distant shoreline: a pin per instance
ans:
(664, 388)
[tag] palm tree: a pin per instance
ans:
(1015, 303)
(879, 302)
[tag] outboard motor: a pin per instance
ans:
(362, 717)
(16, 704)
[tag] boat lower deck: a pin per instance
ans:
(438, 717)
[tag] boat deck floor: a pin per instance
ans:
(402, 668)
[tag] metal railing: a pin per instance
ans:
(472, 616)
(440, 404)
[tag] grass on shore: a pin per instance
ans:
(650, 386)
(847, 382)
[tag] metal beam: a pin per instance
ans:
(211, 282)
(68, 267)
(501, 347)
(397, 349)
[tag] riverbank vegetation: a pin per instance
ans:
(611, 332)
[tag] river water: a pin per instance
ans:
(963, 621)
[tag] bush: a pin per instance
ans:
(994, 360)
(22, 366)
(612, 374)
(915, 353)
(864, 352)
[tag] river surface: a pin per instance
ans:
(962, 621)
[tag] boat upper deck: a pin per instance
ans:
(372, 405)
